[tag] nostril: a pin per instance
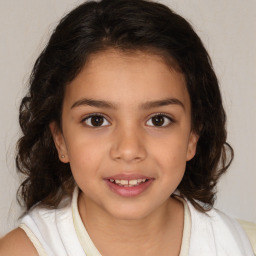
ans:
(128, 150)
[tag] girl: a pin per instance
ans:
(124, 140)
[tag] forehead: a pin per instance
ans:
(125, 78)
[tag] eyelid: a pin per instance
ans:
(168, 116)
(92, 115)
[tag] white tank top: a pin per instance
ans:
(60, 232)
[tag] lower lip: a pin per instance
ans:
(129, 191)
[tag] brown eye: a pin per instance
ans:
(96, 121)
(159, 121)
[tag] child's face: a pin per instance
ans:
(142, 130)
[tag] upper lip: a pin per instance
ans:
(124, 176)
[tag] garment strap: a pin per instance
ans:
(39, 248)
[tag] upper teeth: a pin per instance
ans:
(128, 183)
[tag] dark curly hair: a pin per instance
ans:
(126, 25)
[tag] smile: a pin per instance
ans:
(128, 183)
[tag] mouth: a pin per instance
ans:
(128, 183)
(128, 186)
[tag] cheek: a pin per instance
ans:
(172, 151)
(171, 159)
(84, 154)
(88, 155)
(173, 166)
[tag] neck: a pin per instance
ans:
(108, 232)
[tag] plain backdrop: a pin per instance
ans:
(228, 30)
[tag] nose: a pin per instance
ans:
(128, 145)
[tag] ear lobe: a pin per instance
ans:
(192, 143)
(59, 142)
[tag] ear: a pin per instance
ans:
(59, 142)
(192, 143)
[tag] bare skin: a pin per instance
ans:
(163, 236)
(121, 242)
(17, 243)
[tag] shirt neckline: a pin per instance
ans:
(88, 245)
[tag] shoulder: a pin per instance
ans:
(219, 231)
(229, 230)
(225, 225)
(23, 245)
(52, 231)
(43, 218)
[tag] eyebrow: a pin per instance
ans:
(145, 106)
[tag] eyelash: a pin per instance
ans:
(170, 119)
(90, 116)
